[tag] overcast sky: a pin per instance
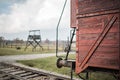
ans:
(17, 17)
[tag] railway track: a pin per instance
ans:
(14, 72)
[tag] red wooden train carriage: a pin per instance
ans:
(97, 31)
(97, 24)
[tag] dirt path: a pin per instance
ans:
(26, 57)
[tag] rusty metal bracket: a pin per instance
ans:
(71, 40)
(98, 41)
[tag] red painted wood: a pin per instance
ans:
(73, 13)
(90, 6)
(88, 30)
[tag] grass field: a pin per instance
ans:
(50, 65)
(11, 50)
(14, 51)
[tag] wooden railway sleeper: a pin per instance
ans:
(22, 73)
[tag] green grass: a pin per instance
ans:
(14, 51)
(11, 50)
(50, 65)
(46, 64)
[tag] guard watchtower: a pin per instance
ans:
(34, 39)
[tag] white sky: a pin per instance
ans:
(32, 15)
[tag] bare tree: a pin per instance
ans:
(48, 43)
